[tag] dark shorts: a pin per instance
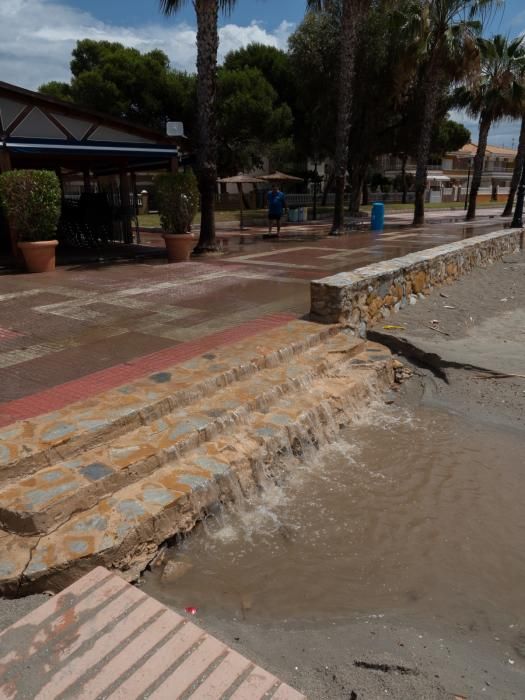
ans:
(274, 217)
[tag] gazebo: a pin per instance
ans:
(95, 149)
(240, 180)
(278, 176)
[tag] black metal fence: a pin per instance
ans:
(96, 218)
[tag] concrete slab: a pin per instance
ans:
(103, 638)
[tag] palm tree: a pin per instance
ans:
(351, 14)
(518, 167)
(498, 93)
(448, 49)
(207, 12)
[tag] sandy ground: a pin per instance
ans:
(395, 655)
(12, 610)
(486, 329)
(369, 659)
(398, 656)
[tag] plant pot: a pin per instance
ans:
(178, 246)
(39, 256)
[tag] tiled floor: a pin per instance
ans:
(84, 320)
(102, 638)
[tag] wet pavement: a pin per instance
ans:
(84, 320)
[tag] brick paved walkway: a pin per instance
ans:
(86, 328)
(102, 638)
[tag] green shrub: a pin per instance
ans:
(177, 200)
(32, 201)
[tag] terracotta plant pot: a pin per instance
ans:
(178, 246)
(39, 256)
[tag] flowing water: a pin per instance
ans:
(416, 512)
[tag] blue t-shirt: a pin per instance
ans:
(276, 203)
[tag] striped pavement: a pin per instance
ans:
(103, 638)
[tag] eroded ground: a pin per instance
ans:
(392, 564)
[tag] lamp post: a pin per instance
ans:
(468, 183)
(517, 221)
(316, 181)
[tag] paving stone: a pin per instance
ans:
(29, 445)
(109, 479)
(101, 637)
(126, 527)
(48, 497)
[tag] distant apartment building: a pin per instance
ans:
(449, 177)
(497, 167)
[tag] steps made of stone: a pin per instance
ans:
(29, 445)
(124, 530)
(38, 503)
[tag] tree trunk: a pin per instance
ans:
(431, 99)
(518, 167)
(404, 178)
(477, 171)
(207, 46)
(351, 14)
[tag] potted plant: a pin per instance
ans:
(31, 199)
(177, 199)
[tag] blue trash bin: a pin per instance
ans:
(378, 216)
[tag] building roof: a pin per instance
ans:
(469, 149)
(36, 125)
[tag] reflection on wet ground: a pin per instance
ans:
(88, 317)
(397, 239)
(418, 514)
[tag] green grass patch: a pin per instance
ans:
(259, 215)
(153, 220)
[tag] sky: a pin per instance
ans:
(37, 36)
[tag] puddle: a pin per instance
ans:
(420, 513)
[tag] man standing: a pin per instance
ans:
(276, 206)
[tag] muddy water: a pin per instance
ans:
(420, 513)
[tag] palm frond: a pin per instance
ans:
(499, 90)
(170, 7)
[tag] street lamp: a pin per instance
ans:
(517, 221)
(468, 183)
(316, 180)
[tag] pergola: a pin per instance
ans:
(41, 132)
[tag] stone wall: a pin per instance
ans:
(369, 294)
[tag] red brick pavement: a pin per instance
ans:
(7, 334)
(86, 328)
(97, 382)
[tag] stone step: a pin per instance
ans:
(125, 529)
(45, 499)
(29, 445)
(102, 638)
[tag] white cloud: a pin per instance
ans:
(37, 37)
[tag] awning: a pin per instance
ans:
(39, 131)
(91, 147)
